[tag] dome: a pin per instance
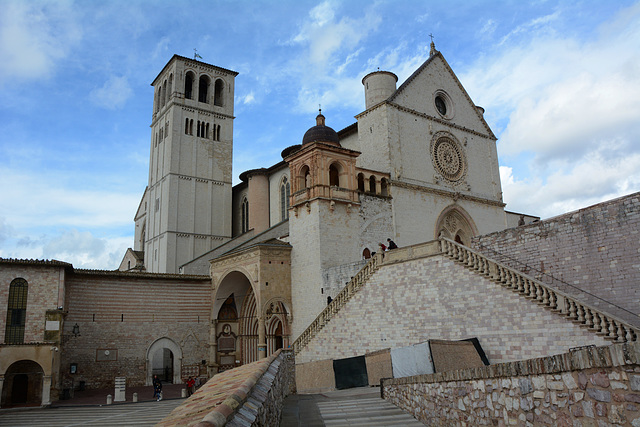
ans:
(321, 133)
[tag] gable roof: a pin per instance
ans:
(424, 65)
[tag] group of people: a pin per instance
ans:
(390, 245)
(157, 387)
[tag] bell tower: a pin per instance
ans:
(187, 204)
(323, 219)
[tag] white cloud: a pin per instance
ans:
(113, 94)
(34, 36)
(571, 107)
(249, 98)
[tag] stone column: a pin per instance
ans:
(1, 383)
(212, 367)
(46, 390)
(262, 344)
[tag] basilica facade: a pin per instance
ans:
(222, 275)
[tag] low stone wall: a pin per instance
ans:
(589, 387)
(250, 395)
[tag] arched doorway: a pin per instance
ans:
(455, 224)
(22, 384)
(164, 359)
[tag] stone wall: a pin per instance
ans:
(408, 301)
(124, 314)
(594, 249)
(249, 395)
(588, 387)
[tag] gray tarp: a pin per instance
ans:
(411, 360)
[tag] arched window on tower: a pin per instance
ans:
(218, 133)
(334, 175)
(218, 92)
(361, 182)
(191, 127)
(164, 93)
(16, 312)
(188, 85)
(203, 89)
(186, 126)
(305, 177)
(170, 87)
(245, 215)
(198, 128)
(384, 187)
(285, 191)
(372, 184)
(206, 131)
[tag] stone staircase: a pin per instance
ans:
(596, 320)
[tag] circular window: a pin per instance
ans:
(443, 104)
(448, 157)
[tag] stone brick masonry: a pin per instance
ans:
(434, 298)
(596, 249)
(589, 387)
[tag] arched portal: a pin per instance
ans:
(22, 386)
(235, 342)
(456, 224)
(164, 359)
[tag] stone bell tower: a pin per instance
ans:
(186, 210)
(323, 218)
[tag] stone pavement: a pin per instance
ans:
(352, 407)
(147, 413)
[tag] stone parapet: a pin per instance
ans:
(589, 386)
(251, 394)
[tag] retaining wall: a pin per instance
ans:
(587, 387)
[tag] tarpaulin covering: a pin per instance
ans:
(411, 360)
(350, 372)
(453, 355)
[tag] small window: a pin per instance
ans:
(203, 89)
(443, 104)
(285, 191)
(188, 85)
(16, 312)
(305, 177)
(334, 176)
(361, 182)
(245, 215)
(372, 184)
(218, 93)
(384, 187)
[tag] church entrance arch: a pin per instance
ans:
(164, 359)
(456, 224)
(234, 342)
(22, 384)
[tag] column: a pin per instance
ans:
(46, 390)
(212, 367)
(262, 345)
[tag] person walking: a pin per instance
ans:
(157, 388)
(391, 244)
(191, 383)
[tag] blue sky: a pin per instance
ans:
(559, 80)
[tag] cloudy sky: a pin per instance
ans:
(560, 82)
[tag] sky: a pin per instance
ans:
(559, 80)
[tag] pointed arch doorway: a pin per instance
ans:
(456, 224)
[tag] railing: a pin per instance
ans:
(337, 303)
(606, 325)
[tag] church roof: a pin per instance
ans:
(321, 133)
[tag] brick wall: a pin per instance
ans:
(45, 281)
(433, 298)
(125, 314)
(595, 249)
(589, 387)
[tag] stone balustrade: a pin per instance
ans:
(606, 325)
(338, 302)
